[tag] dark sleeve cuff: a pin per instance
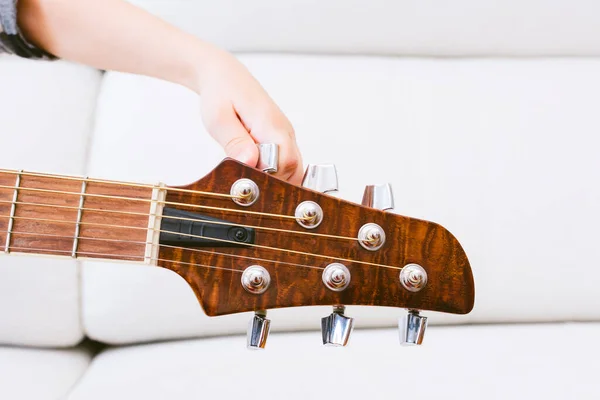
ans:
(16, 44)
(11, 38)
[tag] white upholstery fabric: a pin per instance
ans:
(392, 27)
(501, 152)
(40, 374)
(470, 362)
(46, 114)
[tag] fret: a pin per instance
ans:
(79, 214)
(52, 220)
(13, 209)
(126, 235)
(74, 217)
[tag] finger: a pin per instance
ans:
(298, 174)
(295, 170)
(271, 126)
(229, 132)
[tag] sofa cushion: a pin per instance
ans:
(40, 374)
(545, 361)
(383, 27)
(46, 112)
(500, 152)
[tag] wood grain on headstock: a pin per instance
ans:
(450, 285)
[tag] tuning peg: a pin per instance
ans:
(412, 328)
(321, 177)
(258, 331)
(336, 328)
(380, 197)
(268, 157)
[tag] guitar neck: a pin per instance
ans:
(243, 240)
(78, 217)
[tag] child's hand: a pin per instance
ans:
(116, 35)
(238, 113)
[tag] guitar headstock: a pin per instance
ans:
(245, 240)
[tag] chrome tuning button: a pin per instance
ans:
(336, 328)
(321, 178)
(412, 328)
(336, 277)
(309, 214)
(256, 279)
(258, 331)
(380, 197)
(244, 192)
(268, 157)
(371, 236)
(413, 277)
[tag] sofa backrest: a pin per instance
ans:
(500, 151)
(46, 120)
(392, 27)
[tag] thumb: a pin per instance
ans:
(243, 149)
(229, 132)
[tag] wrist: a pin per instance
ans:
(202, 59)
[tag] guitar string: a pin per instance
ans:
(89, 253)
(181, 219)
(171, 203)
(166, 246)
(209, 238)
(182, 204)
(117, 183)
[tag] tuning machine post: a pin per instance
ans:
(259, 325)
(268, 157)
(380, 197)
(336, 328)
(412, 328)
(258, 331)
(321, 178)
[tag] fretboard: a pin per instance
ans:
(77, 217)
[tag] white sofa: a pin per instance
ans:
(483, 115)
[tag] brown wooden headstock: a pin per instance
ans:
(295, 261)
